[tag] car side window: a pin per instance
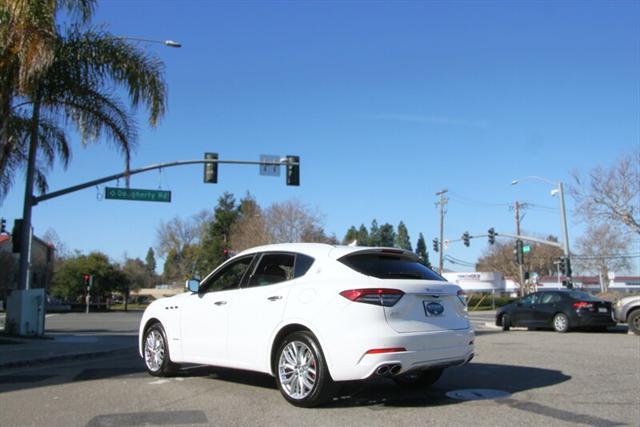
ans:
(303, 263)
(227, 278)
(550, 298)
(272, 268)
(528, 300)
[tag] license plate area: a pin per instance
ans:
(433, 308)
(602, 310)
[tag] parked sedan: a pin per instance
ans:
(312, 315)
(561, 310)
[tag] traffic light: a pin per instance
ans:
(3, 225)
(465, 238)
(211, 169)
(16, 236)
(225, 253)
(293, 171)
(517, 252)
(492, 236)
(436, 247)
(565, 266)
(86, 280)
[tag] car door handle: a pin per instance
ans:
(220, 302)
(274, 298)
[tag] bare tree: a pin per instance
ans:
(602, 251)
(250, 229)
(293, 221)
(62, 250)
(611, 194)
(179, 233)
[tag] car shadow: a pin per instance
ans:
(384, 392)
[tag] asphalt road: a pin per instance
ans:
(552, 379)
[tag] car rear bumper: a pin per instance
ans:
(597, 320)
(424, 350)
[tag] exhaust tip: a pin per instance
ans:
(395, 369)
(382, 370)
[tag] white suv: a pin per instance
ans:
(311, 315)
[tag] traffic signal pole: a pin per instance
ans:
(30, 201)
(443, 202)
(520, 266)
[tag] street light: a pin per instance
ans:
(558, 189)
(169, 43)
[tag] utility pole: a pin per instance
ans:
(442, 202)
(520, 266)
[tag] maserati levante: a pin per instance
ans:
(312, 315)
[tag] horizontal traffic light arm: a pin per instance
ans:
(511, 236)
(529, 239)
(99, 181)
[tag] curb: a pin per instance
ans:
(62, 358)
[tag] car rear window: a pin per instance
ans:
(582, 296)
(386, 266)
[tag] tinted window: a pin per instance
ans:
(273, 268)
(582, 296)
(303, 264)
(227, 278)
(528, 300)
(549, 298)
(385, 266)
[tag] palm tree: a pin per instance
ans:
(75, 86)
(27, 43)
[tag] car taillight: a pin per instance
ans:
(376, 296)
(582, 304)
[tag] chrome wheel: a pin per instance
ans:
(154, 350)
(297, 370)
(560, 322)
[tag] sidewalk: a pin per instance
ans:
(72, 336)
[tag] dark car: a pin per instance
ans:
(560, 310)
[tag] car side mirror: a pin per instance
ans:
(193, 285)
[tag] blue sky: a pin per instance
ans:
(386, 103)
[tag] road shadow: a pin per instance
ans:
(508, 378)
(378, 392)
(384, 392)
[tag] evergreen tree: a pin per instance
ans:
(217, 234)
(387, 235)
(150, 260)
(402, 238)
(363, 236)
(352, 234)
(374, 234)
(421, 251)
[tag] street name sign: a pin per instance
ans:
(269, 170)
(138, 194)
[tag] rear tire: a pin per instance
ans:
(301, 371)
(634, 322)
(157, 359)
(418, 379)
(561, 323)
(506, 322)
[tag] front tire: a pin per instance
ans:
(506, 322)
(157, 360)
(418, 379)
(561, 323)
(301, 371)
(634, 322)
